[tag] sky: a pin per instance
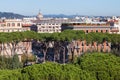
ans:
(68, 7)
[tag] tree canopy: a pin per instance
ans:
(91, 66)
(67, 35)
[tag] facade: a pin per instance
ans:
(115, 29)
(49, 25)
(12, 25)
(79, 47)
(115, 25)
(8, 50)
(88, 27)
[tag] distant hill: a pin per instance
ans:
(10, 15)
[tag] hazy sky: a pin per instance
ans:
(82, 7)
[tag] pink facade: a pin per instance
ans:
(81, 47)
(9, 49)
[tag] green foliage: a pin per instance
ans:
(10, 75)
(89, 67)
(28, 57)
(67, 35)
(15, 62)
(10, 62)
(105, 66)
(54, 71)
(93, 66)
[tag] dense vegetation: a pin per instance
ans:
(10, 63)
(67, 35)
(103, 66)
(95, 66)
(60, 39)
(88, 67)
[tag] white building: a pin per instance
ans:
(49, 25)
(115, 25)
(12, 25)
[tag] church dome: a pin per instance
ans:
(39, 16)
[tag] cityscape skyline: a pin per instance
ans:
(83, 7)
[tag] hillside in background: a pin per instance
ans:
(60, 16)
(10, 15)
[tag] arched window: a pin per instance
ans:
(101, 31)
(106, 30)
(96, 31)
(86, 31)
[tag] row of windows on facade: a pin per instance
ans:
(78, 46)
(12, 30)
(13, 24)
(50, 26)
(98, 24)
(114, 28)
(49, 30)
(102, 31)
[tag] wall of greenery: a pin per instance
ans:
(91, 66)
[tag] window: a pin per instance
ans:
(106, 30)
(13, 24)
(86, 31)
(101, 31)
(96, 31)
(18, 24)
(57, 27)
(8, 24)
(43, 27)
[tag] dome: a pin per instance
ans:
(39, 16)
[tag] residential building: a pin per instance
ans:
(87, 27)
(48, 25)
(13, 25)
(115, 26)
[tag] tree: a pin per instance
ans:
(103, 66)
(15, 62)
